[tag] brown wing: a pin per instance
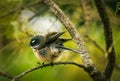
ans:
(53, 36)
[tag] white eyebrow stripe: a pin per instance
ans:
(33, 41)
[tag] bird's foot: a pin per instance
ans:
(40, 63)
(52, 64)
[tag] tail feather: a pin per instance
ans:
(62, 40)
(66, 48)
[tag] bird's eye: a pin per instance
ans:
(35, 41)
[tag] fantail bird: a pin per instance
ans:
(48, 47)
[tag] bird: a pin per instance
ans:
(48, 47)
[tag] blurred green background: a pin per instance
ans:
(17, 28)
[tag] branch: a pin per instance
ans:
(93, 72)
(86, 9)
(108, 38)
(71, 29)
(22, 7)
(15, 78)
(43, 9)
(101, 49)
(46, 65)
(6, 75)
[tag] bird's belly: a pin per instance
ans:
(48, 54)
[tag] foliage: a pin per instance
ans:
(16, 56)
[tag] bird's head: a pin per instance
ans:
(37, 42)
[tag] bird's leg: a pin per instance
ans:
(43, 63)
(40, 63)
(52, 64)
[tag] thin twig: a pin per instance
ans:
(101, 49)
(46, 65)
(43, 9)
(96, 44)
(108, 38)
(6, 75)
(117, 67)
